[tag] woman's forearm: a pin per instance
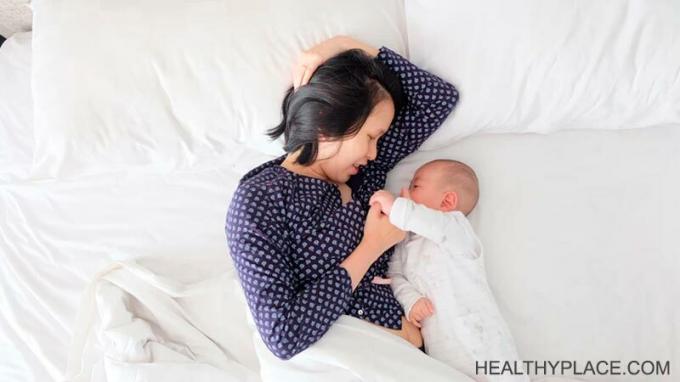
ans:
(358, 262)
(350, 43)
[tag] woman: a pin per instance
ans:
(295, 225)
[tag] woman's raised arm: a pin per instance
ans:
(429, 101)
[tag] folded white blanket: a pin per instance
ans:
(162, 319)
(184, 319)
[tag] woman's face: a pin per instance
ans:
(339, 159)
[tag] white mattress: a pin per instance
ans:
(579, 229)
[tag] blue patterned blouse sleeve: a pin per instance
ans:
(289, 316)
(429, 100)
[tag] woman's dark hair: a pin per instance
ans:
(336, 102)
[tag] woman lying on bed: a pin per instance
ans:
(295, 225)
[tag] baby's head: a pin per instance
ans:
(445, 185)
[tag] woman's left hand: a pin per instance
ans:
(309, 60)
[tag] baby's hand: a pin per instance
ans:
(421, 310)
(385, 199)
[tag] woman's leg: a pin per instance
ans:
(408, 331)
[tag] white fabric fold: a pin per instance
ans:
(150, 320)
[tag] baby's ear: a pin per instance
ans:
(450, 201)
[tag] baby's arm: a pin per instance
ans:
(410, 216)
(404, 291)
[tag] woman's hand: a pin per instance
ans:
(379, 232)
(379, 236)
(309, 60)
(385, 199)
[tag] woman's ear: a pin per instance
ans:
(450, 201)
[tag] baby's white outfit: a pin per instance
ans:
(441, 259)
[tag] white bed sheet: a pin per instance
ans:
(579, 230)
(16, 107)
(56, 235)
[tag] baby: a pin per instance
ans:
(437, 272)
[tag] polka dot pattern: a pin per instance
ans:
(288, 233)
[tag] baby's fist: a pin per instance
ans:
(421, 310)
(385, 199)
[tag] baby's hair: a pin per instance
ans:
(462, 178)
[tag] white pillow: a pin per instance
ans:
(545, 65)
(165, 85)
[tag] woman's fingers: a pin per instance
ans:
(309, 70)
(305, 67)
(298, 75)
(375, 208)
(376, 197)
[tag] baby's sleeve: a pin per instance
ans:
(410, 216)
(405, 292)
(448, 229)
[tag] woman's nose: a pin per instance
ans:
(372, 152)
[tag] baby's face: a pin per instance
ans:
(426, 187)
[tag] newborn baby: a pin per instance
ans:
(437, 272)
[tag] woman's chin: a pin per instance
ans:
(340, 178)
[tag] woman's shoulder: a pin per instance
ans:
(265, 183)
(258, 201)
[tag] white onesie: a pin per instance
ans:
(441, 259)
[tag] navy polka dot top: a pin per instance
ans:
(288, 233)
